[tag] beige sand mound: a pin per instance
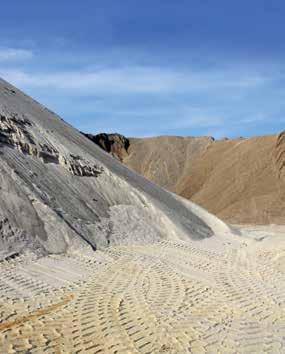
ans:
(239, 180)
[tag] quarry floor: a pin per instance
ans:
(211, 296)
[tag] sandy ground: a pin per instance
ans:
(219, 295)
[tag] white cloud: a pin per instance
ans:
(13, 54)
(133, 80)
(198, 120)
(216, 102)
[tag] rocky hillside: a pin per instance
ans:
(240, 181)
(61, 193)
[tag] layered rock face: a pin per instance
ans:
(59, 192)
(240, 181)
(16, 132)
(280, 154)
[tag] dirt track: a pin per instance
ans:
(168, 297)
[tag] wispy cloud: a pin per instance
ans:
(145, 100)
(13, 54)
(133, 80)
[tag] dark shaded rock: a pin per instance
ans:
(115, 144)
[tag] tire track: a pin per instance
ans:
(169, 297)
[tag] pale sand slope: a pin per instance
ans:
(220, 295)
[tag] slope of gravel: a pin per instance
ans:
(61, 193)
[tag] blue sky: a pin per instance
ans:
(152, 67)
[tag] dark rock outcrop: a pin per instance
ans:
(115, 144)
